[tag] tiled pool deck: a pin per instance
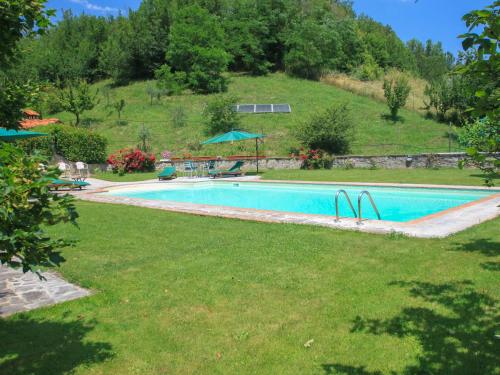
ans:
(438, 225)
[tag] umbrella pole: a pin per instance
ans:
(257, 153)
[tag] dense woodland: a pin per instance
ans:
(195, 41)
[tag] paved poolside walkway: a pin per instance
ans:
(25, 291)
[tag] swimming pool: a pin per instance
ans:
(397, 204)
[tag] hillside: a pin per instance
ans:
(374, 134)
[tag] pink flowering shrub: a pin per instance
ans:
(129, 160)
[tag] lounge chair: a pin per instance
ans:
(56, 184)
(234, 171)
(167, 173)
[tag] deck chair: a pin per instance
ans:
(234, 171)
(56, 184)
(167, 173)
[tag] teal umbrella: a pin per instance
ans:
(10, 135)
(237, 135)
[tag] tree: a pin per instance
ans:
(144, 136)
(396, 91)
(483, 67)
(441, 96)
(116, 56)
(220, 114)
(196, 47)
(118, 106)
(331, 131)
(76, 98)
(19, 18)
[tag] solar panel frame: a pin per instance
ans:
(263, 108)
(282, 108)
(246, 108)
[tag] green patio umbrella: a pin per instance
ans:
(10, 135)
(237, 135)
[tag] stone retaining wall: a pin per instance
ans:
(441, 160)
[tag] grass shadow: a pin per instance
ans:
(454, 324)
(490, 266)
(394, 120)
(485, 246)
(30, 346)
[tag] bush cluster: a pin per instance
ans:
(129, 160)
(331, 131)
(71, 143)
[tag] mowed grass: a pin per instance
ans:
(472, 177)
(374, 133)
(177, 293)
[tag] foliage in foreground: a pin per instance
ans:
(484, 69)
(331, 131)
(26, 208)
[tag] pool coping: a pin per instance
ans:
(438, 225)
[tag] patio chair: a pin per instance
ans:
(82, 170)
(56, 184)
(167, 174)
(234, 171)
(65, 169)
(190, 168)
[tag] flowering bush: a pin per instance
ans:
(315, 159)
(129, 160)
(166, 154)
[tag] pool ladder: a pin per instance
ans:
(360, 197)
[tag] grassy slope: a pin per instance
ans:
(305, 97)
(415, 176)
(179, 293)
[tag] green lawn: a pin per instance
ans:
(375, 134)
(178, 293)
(128, 177)
(455, 176)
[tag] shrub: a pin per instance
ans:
(369, 70)
(315, 159)
(129, 160)
(168, 82)
(220, 115)
(331, 131)
(179, 117)
(396, 91)
(71, 143)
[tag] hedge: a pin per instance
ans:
(71, 143)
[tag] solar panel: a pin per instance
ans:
(246, 108)
(263, 108)
(282, 108)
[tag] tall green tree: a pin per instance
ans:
(197, 48)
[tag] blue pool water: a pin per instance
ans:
(394, 204)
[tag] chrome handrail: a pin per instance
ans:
(360, 196)
(337, 204)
